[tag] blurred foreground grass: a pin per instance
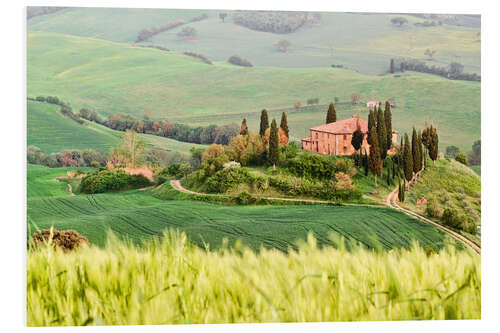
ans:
(174, 282)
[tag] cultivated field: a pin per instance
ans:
(174, 282)
(361, 41)
(140, 214)
(113, 77)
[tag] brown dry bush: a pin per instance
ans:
(67, 240)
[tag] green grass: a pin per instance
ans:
(141, 214)
(49, 130)
(175, 282)
(364, 42)
(42, 181)
(477, 169)
(113, 77)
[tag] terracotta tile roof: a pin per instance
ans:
(346, 126)
(307, 139)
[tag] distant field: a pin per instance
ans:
(364, 42)
(112, 77)
(138, 214)
(49, 130)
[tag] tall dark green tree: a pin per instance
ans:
(357, 138)
(420, 151)
(372, 122)
(244, 127)
(331, 115)
(264, 122)
(273, 144)
(434, 146)
(365, 162)
(388, 124)
(382, 134)
(415, 151)
(284, 124)
(407, 159)
(375, 161)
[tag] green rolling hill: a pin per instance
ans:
(114, 77)
(139, 214)
(362, 41)
(49, 130)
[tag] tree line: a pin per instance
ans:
(453, 71)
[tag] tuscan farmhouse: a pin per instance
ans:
(335, 138)
(372, 104)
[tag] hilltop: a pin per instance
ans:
(114, 77)
(362, 41)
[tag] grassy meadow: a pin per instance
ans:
(361, 41)
(175, 282)
(142, 214)
(49, 130)
(112, 77)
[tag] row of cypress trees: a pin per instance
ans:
(379, 137)
(273, 154)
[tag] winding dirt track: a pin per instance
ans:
(391, 202)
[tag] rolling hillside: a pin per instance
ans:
(364, 42)
(138, 215)
(112, 77)
(49, 130)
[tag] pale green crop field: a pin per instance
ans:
(361, 41)
(112, 77)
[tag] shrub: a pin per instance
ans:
(245, 198)
(238, 61)
(111, 180)
(66, 240)
(451, 217)
(433, 209)
(461, 158)
(225, 179)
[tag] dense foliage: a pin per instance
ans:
(454, 71)
(146, 34)
(238, 61)
(111, 180)
(76, 158)
(270, 21)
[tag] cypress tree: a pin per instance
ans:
(382, 134)
(407, 159)
(331, 115)
(388, 177)
(434, 143)
(264, 122)
(393, 169)
(391, 67)
(244, 127)
(273, 144)
(375, 161)
(365, 163)
(415, 150)
(420, 151)
(371, 123)
(284, 124)
(388, 124)
(357, 138)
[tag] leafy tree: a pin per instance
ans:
(283, 45)
(355, 98)
(451, 151)
(222, 16)
(187, 32)
(196, 156)
(284, 124)
(388, 124)
(430, 53)
(407, 159)
(461, 158)
(382, 134)
(399, 21)
(273, 144)
(331, 115)
(132, 148)
(244, 127)
(475, 154)
(375, 161)
(357, 138)
(264, 122)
